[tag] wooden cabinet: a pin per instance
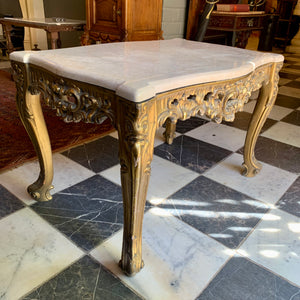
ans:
(122, 20)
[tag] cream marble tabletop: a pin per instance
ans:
(138, 71)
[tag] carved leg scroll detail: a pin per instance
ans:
(136, 131)
(30, 111)
(262, 109)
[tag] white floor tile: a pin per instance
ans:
(289, 91)
(66, 174)
(31, 252)
(285, 133)
(277, 112)
(179, 260)
(220, 135)
(166, 178)
(275, 244)
(267, 186)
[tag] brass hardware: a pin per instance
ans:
(119, 12)
(250, 22)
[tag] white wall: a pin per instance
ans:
(174, 18)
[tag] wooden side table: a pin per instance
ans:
(241, 24)
(52, 26)
(140, 86)
(238, 24)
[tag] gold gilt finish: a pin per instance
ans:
(136, 124)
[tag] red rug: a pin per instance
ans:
(15, 145)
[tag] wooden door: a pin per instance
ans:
(104, 20)
(144, 20)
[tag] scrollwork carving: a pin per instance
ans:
(73, 101)
(217, 101)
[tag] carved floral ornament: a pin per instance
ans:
(76, 101)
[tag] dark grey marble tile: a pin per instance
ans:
(293, 67)
(220, 212)
(242, 120)
(293, 84)
(290, 62)
(290, 201)
(241, 279)
(192, 153)
(190, 124)
(85, 279)
(97, 155)
(88, 212)
(277, 154)
(288, 75)
(8, 202)
(293, 117)
(287, 101)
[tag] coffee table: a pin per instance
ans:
(140, 86)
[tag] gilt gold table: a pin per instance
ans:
(140, 86)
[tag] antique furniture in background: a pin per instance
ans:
(241, 24)
(122, 20)
(52, 26)
(140, 86)
(237, 25)
(295, 42)
(283, 34)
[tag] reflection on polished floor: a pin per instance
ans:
(209, 233)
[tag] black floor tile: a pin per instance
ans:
(288, 102)
(290, 62)
(293, 118)
(293, 66)
(88, 212)
(218, 211)
(293, 84)
(289, 75)
(192, 153)
(294, 55)
(8, 202)
(187, 125)
(242, 120)
(242, 279)
(290, 201)
(280, 155)
(85, 279)
(97, 155)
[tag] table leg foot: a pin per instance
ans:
(136, 131)
(265, 101)
(169, 133)
(30, 111)
(130, 268)
(39, 192)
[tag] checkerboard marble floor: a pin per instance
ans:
(209, 233)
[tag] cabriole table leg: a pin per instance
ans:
(136, 129)
(262, 110)
(30, 111)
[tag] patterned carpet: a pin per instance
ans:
(15, 145)
(208, 234)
